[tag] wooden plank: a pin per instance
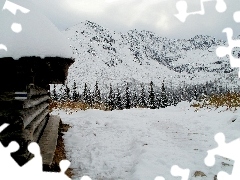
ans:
(23, 104)
(48, 140)
(38, 131)
(35, 101)
(35, 127)
(35, 123)
(30, 114)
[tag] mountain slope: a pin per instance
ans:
(140, 57)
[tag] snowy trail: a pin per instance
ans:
(140, 144)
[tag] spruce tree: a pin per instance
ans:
(75, 95)
(66, 93)
(170, 98)
(142, 100)
(127, 98)
(61, 93)
(111, 99)
(118, 100)
(134, 100)
(151, 98)
(163, 97)
(195, 93)
(174, 99)
(54, 93)
(97, 94)
(90, 98)
(67, 89)
(85, 96)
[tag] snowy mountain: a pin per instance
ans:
(141, 56)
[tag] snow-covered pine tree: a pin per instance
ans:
(151, 98)
(118, 100)
(111, 99)
(163, 97)
(75, 93)
(97, 94)
(66, 93)
(86, 97)
(175, 99)
(169, 98)
(60, 93)
(142, 102)
(134, 103)
(127, 98)
(195, 93)
(54, 93)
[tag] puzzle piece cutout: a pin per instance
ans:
(13, 8)
(228, 150)
(177, 171)
(85, 178)
(236, 16)
(182, 8)
(159, 178)
(31, 170)
(5, 156)
(3, 126)
(2, 46)
(15, 27)
(223, 50)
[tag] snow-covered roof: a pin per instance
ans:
(39, 37)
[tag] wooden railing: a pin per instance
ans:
(29, 121)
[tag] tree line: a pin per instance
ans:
(147, 96)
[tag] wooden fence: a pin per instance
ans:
(27, 112)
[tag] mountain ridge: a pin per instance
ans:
(138, 57)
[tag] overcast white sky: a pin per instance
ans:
(153, 15)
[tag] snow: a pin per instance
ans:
(140, 144)
(39, 37)
(112, 61)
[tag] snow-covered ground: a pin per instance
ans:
(140, 144)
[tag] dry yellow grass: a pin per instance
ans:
(229, 100)
(70, 106)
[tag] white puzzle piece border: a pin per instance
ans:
(228, 150)
(182, 8)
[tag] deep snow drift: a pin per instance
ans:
(140, 144)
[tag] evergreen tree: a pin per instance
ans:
(134, 100)
(127, 98)
(54, 93)
(66, 93)
(75, 95)
(157, 100)
(90, 98)
(163, 97)
(86, 95)
(169, 98)
(142, 100)
(151, 98)
(174, 99)
(111, 99)
(118, 100)
(97, 94)
(195, 93)
(61, 92)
